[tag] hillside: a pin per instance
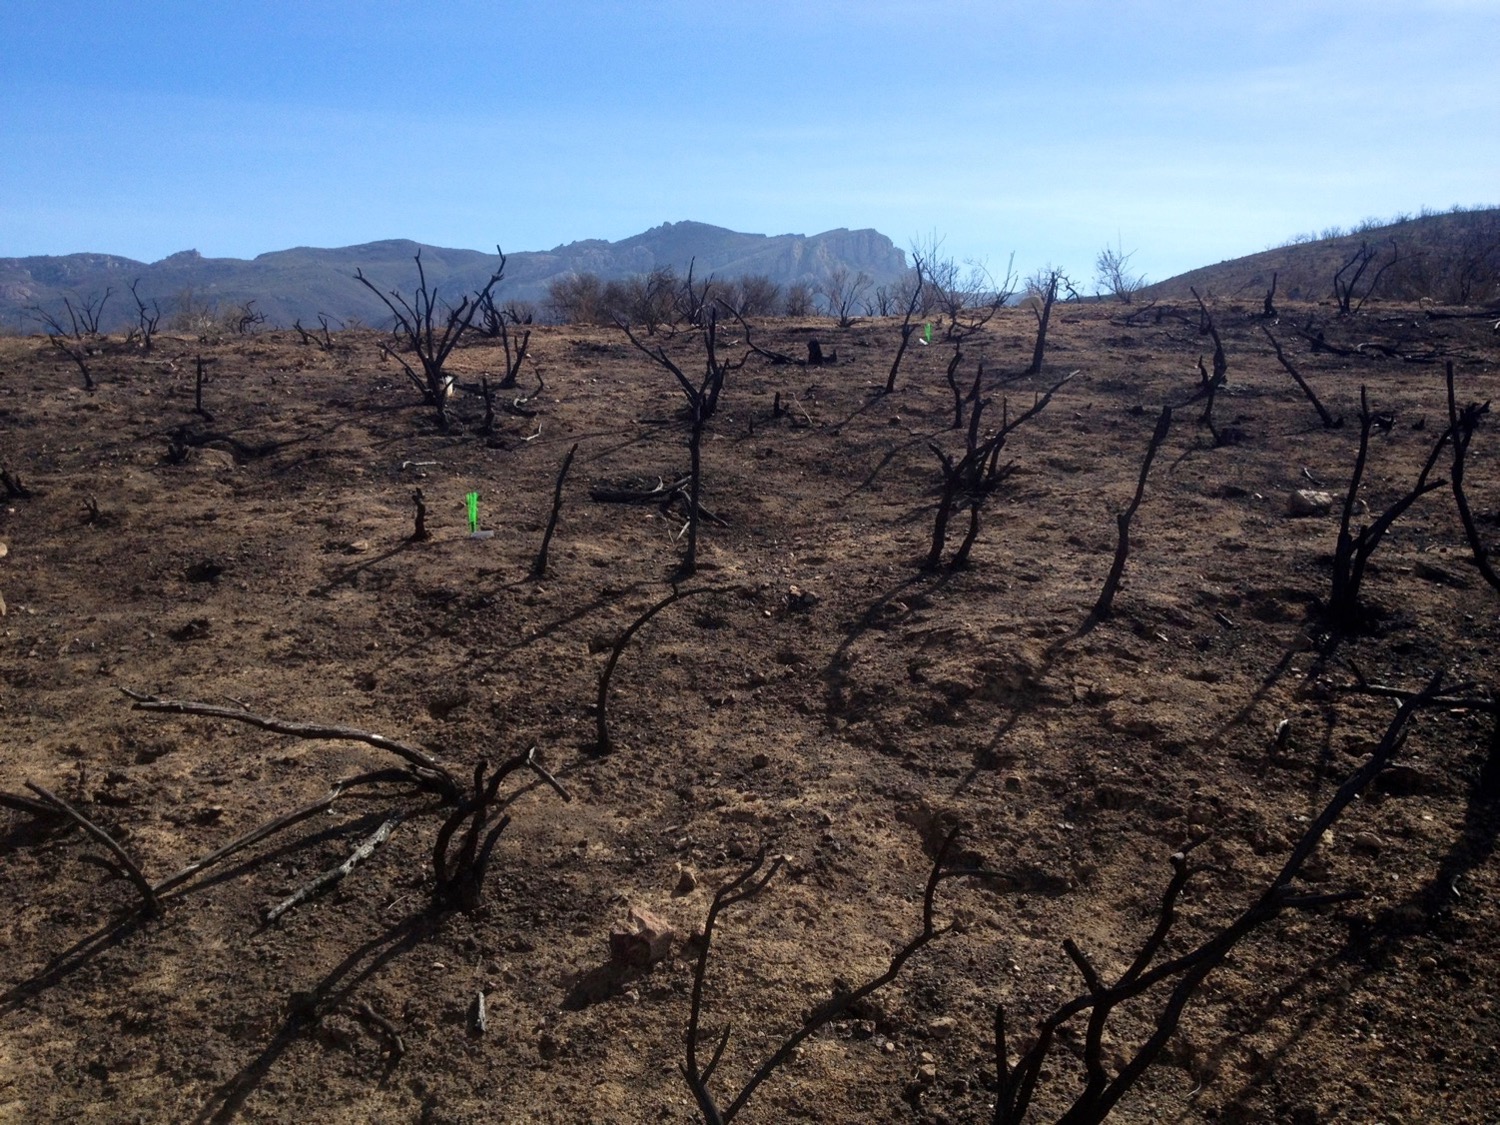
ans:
(816, 693)
(1452, 258)
(300, 283)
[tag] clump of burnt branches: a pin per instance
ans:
(464, 844)
(1209, 385)
(916, 285)
(421, 771)
(1353, 549)
(322, 338)
(702, 401)
(147, 317)
(970, 479)
(1461, 426)
(416, 325)
(1346, 281)
(1042, 295)
(749, 883)
(496, 323)
(1175, 980)
(459, 873)
(70, 344)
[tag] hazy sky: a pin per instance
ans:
(1047, 128)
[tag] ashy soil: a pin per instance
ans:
(826, 700)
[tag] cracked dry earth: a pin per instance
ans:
(826, 699)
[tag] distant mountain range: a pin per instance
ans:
(288, 285)
(1453, 258)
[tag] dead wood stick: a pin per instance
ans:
(606, 495)
(426, 765)
(1448, 702)
(539, 566)
(27, 805)
(148, 895)
(396, 1046)
(296, 816)
(336, 874)
(545, 774)
(1329, 421)
(1112, 583)
(776, 358)
(1454, 698)
(687, 502)
(601, 719)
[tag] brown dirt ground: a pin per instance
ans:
(846, 733)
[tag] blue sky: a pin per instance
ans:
(1046, 128)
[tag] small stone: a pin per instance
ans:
(888, 1047)
(942, 1027)
(358, 547)
(4, 550)
(641, 941)
(547, 1046)
(1012, 784)
(800, 600)
(687, 882)
(1306, 502)
(760, 762)
(926, 1075)
(1367, 842)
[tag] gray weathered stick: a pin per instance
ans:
(296, 816)
(336, 874)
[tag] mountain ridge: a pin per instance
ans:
(303, 281)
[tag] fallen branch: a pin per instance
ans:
(28, 805)
(148, 894)
(424, 766)
(662, 492)
(270, 828)
(777, 359)
(336, 874)
(1362, 686)
(395, 1045)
